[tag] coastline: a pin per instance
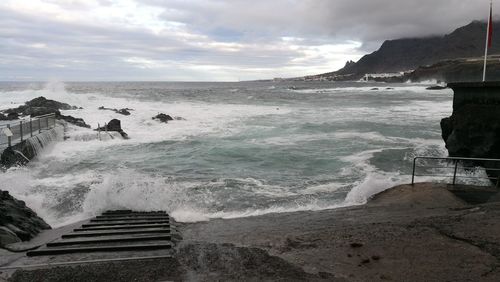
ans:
(418, 233)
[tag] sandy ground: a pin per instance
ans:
(408, 233)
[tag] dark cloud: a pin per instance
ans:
(209, 40)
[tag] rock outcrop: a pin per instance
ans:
(40, 106)
(166, 118)
(43, 106)
(17, 221)
(125, 111)
(19, 154)
(114, 125)
(10, 116)
(73, 120)
(473, 130)
(163, 117)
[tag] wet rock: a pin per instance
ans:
(40, 111)
(473, 131)
(17, 221)
(44, 102)
(125, 111)
(114, 125)
(7, 236)
(73, 120)
(17, 155)
(40, 106)
(12, 116)
(436, 87)
(163, 117)
(3, 117)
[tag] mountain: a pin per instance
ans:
(410, 53)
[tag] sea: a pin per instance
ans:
(236, 150)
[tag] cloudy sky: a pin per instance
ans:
(216, 40)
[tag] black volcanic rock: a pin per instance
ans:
(40, 106)
(44, 102)
(459, 70)
(473, 131)
(12, 116)
(17, 221)
(125, 111)
(70, 119)
(163, 117)
(114, 125)
(43, 106)
(40, 111)
(436, 87)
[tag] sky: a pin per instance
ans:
(217, 40)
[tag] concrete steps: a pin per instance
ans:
(113, 231)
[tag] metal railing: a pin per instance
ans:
(459, 172)
(14, 133)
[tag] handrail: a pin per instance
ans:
(46, 115)
(24, 127)
(455, 167)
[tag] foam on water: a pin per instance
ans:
(233, 156)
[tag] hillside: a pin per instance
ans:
(410, 53)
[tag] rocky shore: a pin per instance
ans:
(17, 221)
(407, 233)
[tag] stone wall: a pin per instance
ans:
(23, 152)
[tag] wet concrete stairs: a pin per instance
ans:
(113, 231)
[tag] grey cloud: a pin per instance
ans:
(364, 20)
(37, 46)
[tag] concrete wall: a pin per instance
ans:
(22, 153)
(475, 93)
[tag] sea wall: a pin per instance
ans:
(23, 152)
(473, 130)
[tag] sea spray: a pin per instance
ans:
(43, 139)
(261, 149)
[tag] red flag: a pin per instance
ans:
(490, 28)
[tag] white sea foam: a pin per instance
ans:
(109, 183)
(371, 89)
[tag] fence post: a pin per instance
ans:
(31, 127)
(9, 138)
(413, 174)
(39, 126)
(21, 129)
(455, 172)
